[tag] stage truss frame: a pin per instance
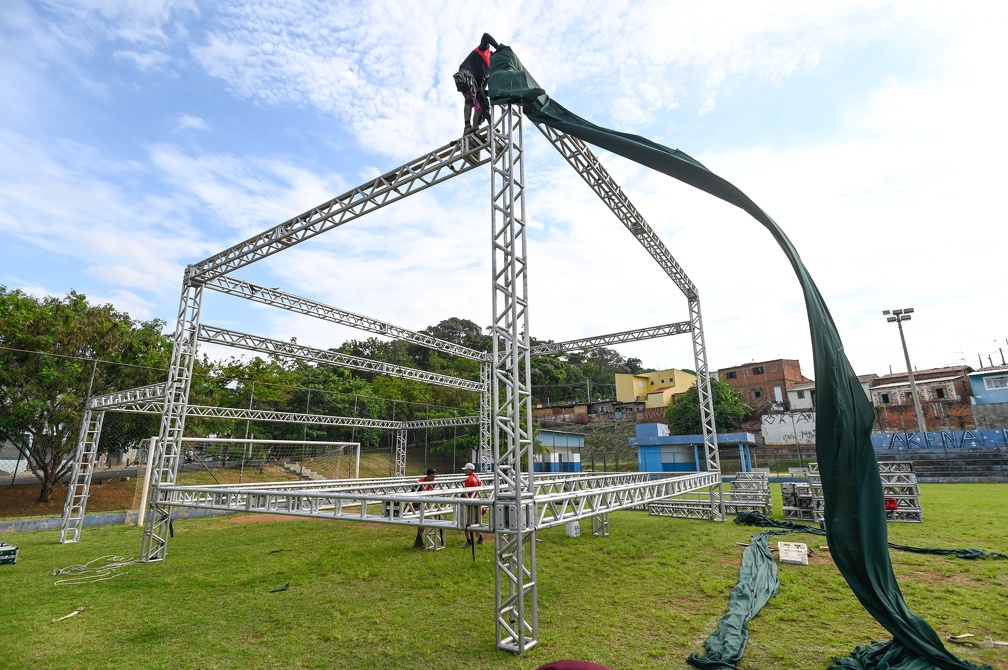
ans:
(519, 501)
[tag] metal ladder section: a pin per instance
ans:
(80, 486)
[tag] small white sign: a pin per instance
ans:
(793, 552)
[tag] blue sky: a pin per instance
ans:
(137, 137)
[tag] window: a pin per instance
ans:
(757, 393)
(939, 393)
(758, 370)
(801, 395)
(731, 374)
(884, 398)
(991, 383)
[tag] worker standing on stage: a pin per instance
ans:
(473, 512)
(470, 81)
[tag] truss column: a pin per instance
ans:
(400, 453)
(514, 511)
(80, 479)
(168, 447)
(711, 458)
(485, 457)
(600, 524)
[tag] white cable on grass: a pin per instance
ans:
(107, 571)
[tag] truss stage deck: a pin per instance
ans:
(561, 498)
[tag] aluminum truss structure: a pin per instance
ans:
(513, 518)
(614, 338)
(150, 400)
(560, 498)
(519, 501)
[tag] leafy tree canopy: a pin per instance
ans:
(684, 415)
(42, 396)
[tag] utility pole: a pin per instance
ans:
(899, 316)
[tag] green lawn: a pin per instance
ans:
(361, 597)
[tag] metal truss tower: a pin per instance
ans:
(514, 507)
(168, 447)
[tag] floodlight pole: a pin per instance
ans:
(898, 316)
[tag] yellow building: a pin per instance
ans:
(655, 389)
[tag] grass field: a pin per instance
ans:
(361, 597)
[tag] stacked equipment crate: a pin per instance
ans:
(899, 485)
(797, 501)
(804, 502)
(750, 491)
(8, 554)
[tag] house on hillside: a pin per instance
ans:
(802, 396)
(990, 397)
(654, 389)
(764, 386)
(944, 396)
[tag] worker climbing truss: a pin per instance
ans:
(519, 502)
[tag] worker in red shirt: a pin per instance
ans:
(470, 81)
(424, 485)
(473, 512)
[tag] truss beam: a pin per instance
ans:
(586, 496)
(274, 416)
(268, 345)
(292, 303)
(151, 392)
(433, 168)
(614, 338)
(587, 164)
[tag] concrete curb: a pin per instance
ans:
(111, 519)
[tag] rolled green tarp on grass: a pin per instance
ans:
(854, 507)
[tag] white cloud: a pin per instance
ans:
(185, 121)
(895, 203)
(146, 60)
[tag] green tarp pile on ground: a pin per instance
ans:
(854, 507)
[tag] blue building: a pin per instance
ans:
(564, 452)
(990, 385)
(657, 451)
(990, 397)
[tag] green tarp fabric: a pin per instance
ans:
(854, 508)
(757, 584)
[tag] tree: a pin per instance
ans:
(42, 395)
(684, 416)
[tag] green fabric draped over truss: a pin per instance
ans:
(854, 507)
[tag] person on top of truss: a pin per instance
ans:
(423, 485)
(470, 81)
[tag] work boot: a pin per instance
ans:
(418, 542)
(480, 540)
